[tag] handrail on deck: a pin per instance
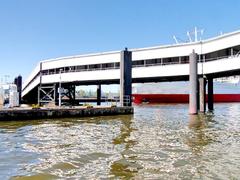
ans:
(133, 66)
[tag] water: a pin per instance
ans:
(157, 142)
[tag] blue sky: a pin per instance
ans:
(34, 30)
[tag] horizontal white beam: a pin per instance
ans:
(217, 66)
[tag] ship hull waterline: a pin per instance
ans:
(181, 98)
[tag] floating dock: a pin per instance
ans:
(52, 113)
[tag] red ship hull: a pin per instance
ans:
(180, 98)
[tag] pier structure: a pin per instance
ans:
(197, 95)
(214, 58)
(54, 92)
(51, 113)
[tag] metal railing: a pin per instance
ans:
(133, 66)
(127, 100)
(186, 61)
(80, 70)
(115, 100)
(223, 57)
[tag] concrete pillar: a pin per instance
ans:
(210, 94)
(99, 94)
(193, 78)
(202, 94)
(126, 78)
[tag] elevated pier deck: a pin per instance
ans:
(51, 113)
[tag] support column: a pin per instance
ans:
(70, 92)
(56, 96)
(193, 78)
(18, 82)
(40, 83)
(202, 94)
(74, 95)
(46, 94)
(126, 78)
(210, 94)
(231, 52)
(39, 95)
(99, 94)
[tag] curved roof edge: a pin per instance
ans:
(188, 43)
(81, 55)
(146, 48)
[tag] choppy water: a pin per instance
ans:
(157, 142)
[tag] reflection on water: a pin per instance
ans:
(198, 137)
(158, 142)
(126, 166)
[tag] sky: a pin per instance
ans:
(34, 30)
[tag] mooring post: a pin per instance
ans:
(99, 94)
(210, 94)
(18, 82)
(193, 78)
(126, 78)
(202, 94)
